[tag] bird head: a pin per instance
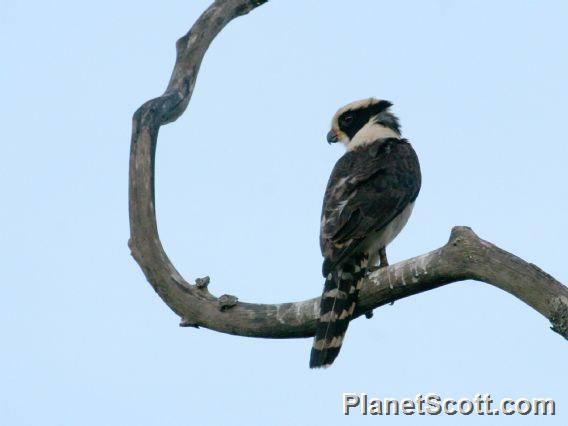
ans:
(362, 122)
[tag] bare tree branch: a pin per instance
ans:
(465, 256)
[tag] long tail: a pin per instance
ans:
(338, 303)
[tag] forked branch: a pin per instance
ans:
(465, 256)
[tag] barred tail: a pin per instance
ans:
(338, 303)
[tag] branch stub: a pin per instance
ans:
(227, 301)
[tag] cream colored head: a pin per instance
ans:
(362, 122)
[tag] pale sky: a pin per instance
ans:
(480, 89)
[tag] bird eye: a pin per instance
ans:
(347, 120)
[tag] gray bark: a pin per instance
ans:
(465, 256)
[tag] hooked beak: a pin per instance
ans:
(332, 137)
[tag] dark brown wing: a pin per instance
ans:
(367, 189)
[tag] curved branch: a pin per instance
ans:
(465, 256)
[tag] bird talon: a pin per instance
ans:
(372, 269)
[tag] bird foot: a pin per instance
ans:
(372, 269)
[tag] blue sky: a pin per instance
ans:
(480, 88)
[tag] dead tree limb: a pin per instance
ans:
(465, 256)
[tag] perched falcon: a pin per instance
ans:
(368, 200)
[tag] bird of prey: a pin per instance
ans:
(368, 200)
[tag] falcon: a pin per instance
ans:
(367, 202)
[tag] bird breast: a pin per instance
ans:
(381, 238)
